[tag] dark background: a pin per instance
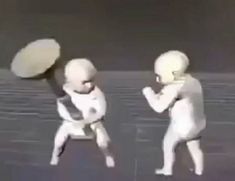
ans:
(124, 35)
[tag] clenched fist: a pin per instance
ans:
(147, 91)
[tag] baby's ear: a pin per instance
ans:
(176, 73)
(68, 88)
(65, 86)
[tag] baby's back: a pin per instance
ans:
(188, 112)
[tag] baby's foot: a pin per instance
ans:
(198, 171)
(110, 161)
(54, 161)
(163, 171)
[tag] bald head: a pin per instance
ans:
(80, 68)
(80, 73)
(171, 64)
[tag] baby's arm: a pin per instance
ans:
(161, 101)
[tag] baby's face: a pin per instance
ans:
(81, 85)
(82, 81)
(87, 85)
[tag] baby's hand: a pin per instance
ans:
(92, 110)
(147, 91)
(92, 114)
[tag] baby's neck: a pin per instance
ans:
(80, 92)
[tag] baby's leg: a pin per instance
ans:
(59, 142)
(197, 155)
(171, 139)
(103, 141)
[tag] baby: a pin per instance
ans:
(182, 96)
(82, 109)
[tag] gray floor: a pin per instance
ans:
(28, 121)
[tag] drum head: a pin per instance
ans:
(35, 58)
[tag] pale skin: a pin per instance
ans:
(177, 131)
(70, 128)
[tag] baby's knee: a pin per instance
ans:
(60, 139)
(169, 143)
(58, 142)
